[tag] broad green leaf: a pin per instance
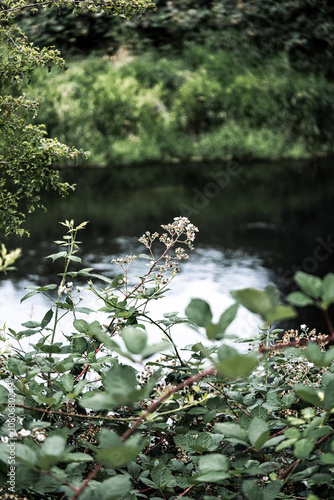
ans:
(54, 445)
(313, 396)
(232, 431)
(135, 339)
(118, 456)
(311, 285)
(97, 401)
(329, 395)
(81, 325)
(114, 488)
(3, 394)
(258, 433)
(28, 295)
(303, 448)
(251, 490)
(238, 366)
(17, 366)
(47, 318)
(199, 312)
(25, 455)
(329, 356)
(160, 347)
(272, 490)
(226, 351)
(213, 331)
(256, 301)
(31, 324)
(327, 458)
(56, 256)
(162, 476)
(314, 353)
(287, 400)
(74, 258)
(328, 290)
(79, 344)
(228, 316)
(273, 401)
(299, 299)
(212, 469)
(67, 382)
(280, 312)
(213, 462)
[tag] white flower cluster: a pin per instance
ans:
(124, 261)
(148, 238)
(36, 433)
(180, 226)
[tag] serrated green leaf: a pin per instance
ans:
(55, 256)
(17, 366)
(258, 433)
(299, 299)
(328, 290)
(303, 448)
(251, 490)
(67, 382)
(311, 285)
(117, 456)
(162, 476)
(114, 488)
(81, 325)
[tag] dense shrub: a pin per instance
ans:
(131, 109)
(87, 413)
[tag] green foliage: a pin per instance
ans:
(26, 154)
(204, 104)
(207, 421)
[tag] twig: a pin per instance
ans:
(139, 420)
(168, 393)
(48, 473)
(85, 484)
(63, 413)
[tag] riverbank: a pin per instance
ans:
(197, 106)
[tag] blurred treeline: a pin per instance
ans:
(196, 79)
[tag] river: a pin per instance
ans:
(258, 224)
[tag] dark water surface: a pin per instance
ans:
(258, 224)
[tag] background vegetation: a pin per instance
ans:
(192, 80)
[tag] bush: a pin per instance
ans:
(135, 109)
(90, 414)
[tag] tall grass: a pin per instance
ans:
(208, 105)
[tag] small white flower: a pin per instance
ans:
(40, 437)
(24, 432)
(303, 327)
